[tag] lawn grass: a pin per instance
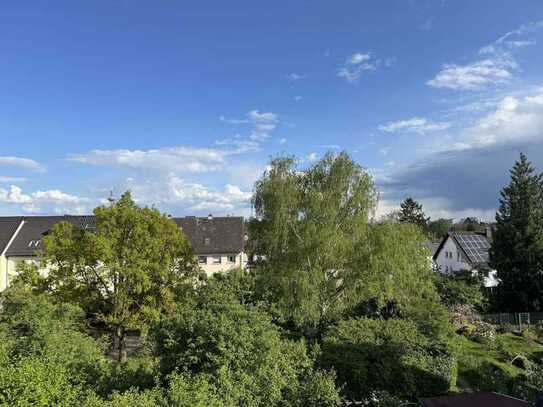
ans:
(477, 361)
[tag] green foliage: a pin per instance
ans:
(309, 225)
(126, 271)
(387, 355)
(456, 291)
(411, 212)
(393, 267)
(32, 326)
(240, 355)
(517, 249)
(439, 227)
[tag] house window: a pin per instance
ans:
(216, 259)
(231, 259)
(202, 260)
(34, 243)
(459, 257)
(207, 241)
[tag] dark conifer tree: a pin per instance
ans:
(517, 248)
(412, 212)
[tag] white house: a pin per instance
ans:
(465, 251)
(218, 242)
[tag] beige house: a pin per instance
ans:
(217, 241)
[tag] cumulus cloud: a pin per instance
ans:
(515, 119)
(178, 194)
(25, 163)
(414, 125)
(48, 201)
(312, 157)
(263, 124)
(466, 176)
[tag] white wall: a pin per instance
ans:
(448, 259)
(211, 268)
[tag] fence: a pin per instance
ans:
(517, 319)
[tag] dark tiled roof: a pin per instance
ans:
(8, 226)
(214, 235)
(207, 235)
(28, 240)
(481, 399)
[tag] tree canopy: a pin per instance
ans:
(411, 212)
(309, 224)
(517, 248)
(126, 271)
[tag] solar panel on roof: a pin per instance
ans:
(475, 246)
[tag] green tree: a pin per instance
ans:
(126, 271)
(517, 248)
(229, 354)
(439, 227)
(308, 226)
(411, 212)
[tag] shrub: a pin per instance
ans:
(33, 326)
(241, 354)
(387, 355)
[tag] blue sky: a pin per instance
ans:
(185, 102)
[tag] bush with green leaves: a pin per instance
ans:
(458, 291)
(387, 355)
(32, 326)
(240, 355)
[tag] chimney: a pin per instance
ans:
(488, 233)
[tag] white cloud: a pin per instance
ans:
(181, 158)
(418, 125)
(174, 192)
(515, 119)
(282, 140)
(312, 157)
(297, 98)
(296, 76)
(474, 76)
(6, 180)
(14, 195)
(498, 67)
(26, 163)
(355, 65)
(263, 124)
(357, 58)
(49, 201)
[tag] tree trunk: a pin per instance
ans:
(120, 337)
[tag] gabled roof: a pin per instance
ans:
(28, 240)
(473, 246)
(214, 235)
(209, 235)
(8, 226)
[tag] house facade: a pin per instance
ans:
(218, 242)
(465, 251)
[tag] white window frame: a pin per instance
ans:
(216, 259)
(229, 259)
(202, 259)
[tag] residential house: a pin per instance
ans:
(218, 242)
(465, 251)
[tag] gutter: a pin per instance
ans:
(9, 244)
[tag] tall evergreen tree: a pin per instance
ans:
(517, 249)
(412, 212)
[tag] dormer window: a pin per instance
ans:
(207, 241)
(34, 243)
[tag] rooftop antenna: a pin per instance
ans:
(111, 199)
